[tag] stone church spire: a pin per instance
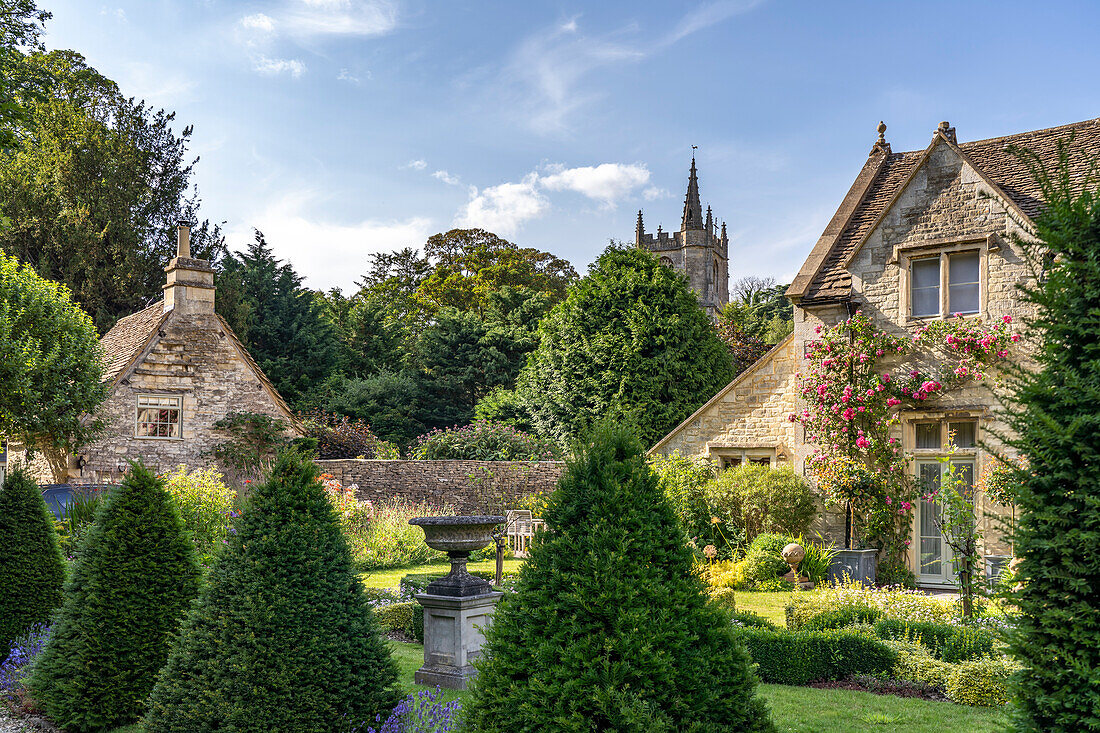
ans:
(693, 210)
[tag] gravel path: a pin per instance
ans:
(10, 724)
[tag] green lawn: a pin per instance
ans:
(769, 605)
(391, 577)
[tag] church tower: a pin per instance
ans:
(698, 250)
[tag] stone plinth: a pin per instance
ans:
(453, 637)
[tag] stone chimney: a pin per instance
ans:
(190, 286)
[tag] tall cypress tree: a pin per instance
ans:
(282, 638)
(134, 577)
(608, 629)
(32, 570)
(1053, 412)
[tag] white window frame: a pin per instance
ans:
(139, 407)
(904, 257)
(733, 457)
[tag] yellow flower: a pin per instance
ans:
(715, 520)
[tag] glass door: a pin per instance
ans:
(934, 556)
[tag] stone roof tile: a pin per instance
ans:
(122, 344)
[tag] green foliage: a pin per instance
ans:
(629, 342)
(21, 25)
(681, 479)
(1052, 413)
(380, 536)
(607, 628)
(282, 324)
(397, 617)
(78, 516)
(800, 657)
(760, 499)
(819, 558)
(50, 366)
(31, 567)
(389, 402)
(981, 682)
(895, 603)
(945, 641)
(253, 440)
(94, 193)
(206, 506)
(957, 522)
(762, 561)
(748, 618)
(339, 436)
(916, 663)
(482, 441)
(843, 617)
(282, 637)
(134, 578)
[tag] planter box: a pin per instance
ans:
(857, 564)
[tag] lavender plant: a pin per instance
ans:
(422, 712)
(24, 650)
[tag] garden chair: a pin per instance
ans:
(520, 530)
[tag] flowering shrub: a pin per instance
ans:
(24, 649)
(379, 535)
(338, 436)
(482, 440)
(893, 602)
(854, 397)
(207, 507)
(421, 712)
(1000, 481)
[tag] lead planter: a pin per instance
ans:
(856, 564)
(458, 606)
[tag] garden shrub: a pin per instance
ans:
(482, 440)
(681, 479)
(842, 617)
(422, 712)
(815, 565)
(32, 570)
(894, 602)
(1053, 418)
(380, 535)
(339, 436)
(282, 637)
(762, 561)
(724, 597)
(760, 499)
(748, 618)
(722, 574)
(77, 517)
(981, 682)
(133, 580)
(24, 650)
(608, 629)
(800, 657)
(916, 663)
(946, 642)
(396, 617)
(206, 506)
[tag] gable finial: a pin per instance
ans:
(881, 145)
(947, 131)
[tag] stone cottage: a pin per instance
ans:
(920, 235)
(173, 369)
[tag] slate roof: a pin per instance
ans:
(870, 199)
(126, 340)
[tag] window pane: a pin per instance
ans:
(926, 302)
(928, 435)
(963, 289)
(926, 273)
(965, 471)
(966, 433)
(931, 552)
(929, 478)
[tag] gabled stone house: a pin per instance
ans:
(173, 370)
(920, 235)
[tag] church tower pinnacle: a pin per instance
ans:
(693, 210)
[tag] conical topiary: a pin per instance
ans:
(134, 577)
(608, 629)
(32, 570)
(282, 637)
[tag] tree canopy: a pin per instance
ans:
(629, 341)
(50, 370)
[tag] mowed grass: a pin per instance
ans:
(809, 710)
(771, 606)
(389, 578)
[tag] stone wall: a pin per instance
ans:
(469, 486)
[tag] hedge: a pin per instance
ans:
(408, 618)
(946, 642)
(800, 657)
(841, 618)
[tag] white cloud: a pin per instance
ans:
(119, 13)
(339, 17)
(416, 165)
(505, 208)
(606, 183)
(707, 15)
(446, 178)
(652, 193)
(259, 22)
(346, 75)
(272, 67)
(328, 254)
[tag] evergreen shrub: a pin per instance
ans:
(134, 577)
(1056, 425)
(283, 636)
(800, 657)
(981, 682)
(945, 641)
(748, 618)
(32, 570)
(608, 629)
(762, 561)
(842, 617)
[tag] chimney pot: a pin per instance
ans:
(183, 241)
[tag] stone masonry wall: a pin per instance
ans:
(469, 486)
(195, 360)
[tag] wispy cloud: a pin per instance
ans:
(274, 67)
(324, 251)
(707, 15)
(416, 165)
(446, 178)
(652, 193)
(349, 77)
(167, 87)
(505, 208)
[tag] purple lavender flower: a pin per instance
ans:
(24, 649)
(422, 712)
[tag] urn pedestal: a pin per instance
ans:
(457, 606)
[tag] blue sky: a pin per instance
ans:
(344, 127)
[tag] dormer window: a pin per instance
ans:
(945, 284)
(158, 416)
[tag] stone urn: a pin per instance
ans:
(793, 554)
(457, 606)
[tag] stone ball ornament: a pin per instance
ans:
(793, 554)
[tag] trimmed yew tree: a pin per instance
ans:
(1054, 414)
(32, 570)
(282, 637)
(609, 630)
(134, 577)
